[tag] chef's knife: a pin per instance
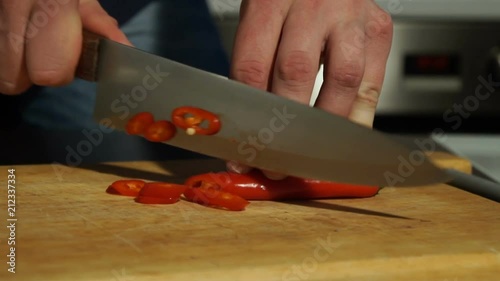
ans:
(258, 128)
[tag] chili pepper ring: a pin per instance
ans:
(191, 118)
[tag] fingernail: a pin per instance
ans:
(236, 167)
(274, 175)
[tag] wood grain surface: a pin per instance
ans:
(68, 228)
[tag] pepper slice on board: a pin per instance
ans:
(160, 193)
(214, 198)
(255, 186)
(126, 187)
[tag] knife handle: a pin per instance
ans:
(474, 184)
(88, 62)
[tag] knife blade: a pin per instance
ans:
(259, 129)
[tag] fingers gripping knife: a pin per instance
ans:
(257, 128)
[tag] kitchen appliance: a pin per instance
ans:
(442, 53)
(443, 68)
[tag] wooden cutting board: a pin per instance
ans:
(68, 228)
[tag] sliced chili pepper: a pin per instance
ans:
(215, 198)
(138, 123)
(191, 119)
(160, 193)
(255, 186)
(126, 187)
(160, 131)
(155, 200)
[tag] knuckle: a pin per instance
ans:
(369, 95)
(384, 25)
(251, 72)
(348, 75)
(50, 77)
(387, 19)
(296, 66)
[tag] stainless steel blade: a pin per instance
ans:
(258, 128)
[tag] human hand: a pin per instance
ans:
(280, 44)
(40, 40)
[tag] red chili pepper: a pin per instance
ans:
(126, 187)
(255, 186)
(191, 118)
(214, 198)
(139, 122)
(160, 131)
(160, 193)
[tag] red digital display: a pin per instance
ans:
(431, 65)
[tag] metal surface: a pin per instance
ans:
(483, 150)
(258, 128)
(476, 185)
(475, 85)
(473, 44)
